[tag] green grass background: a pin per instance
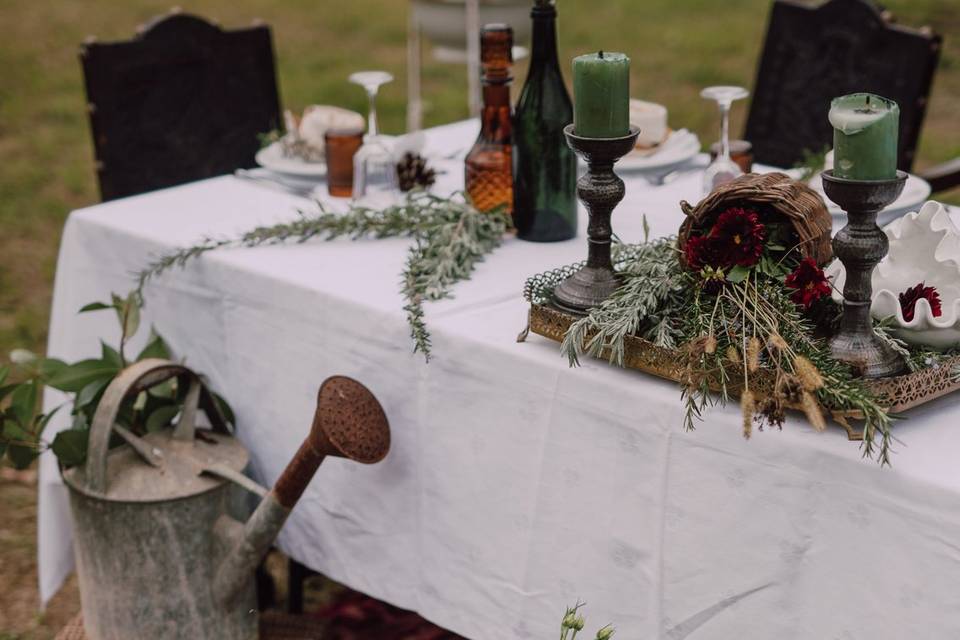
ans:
(677, 47)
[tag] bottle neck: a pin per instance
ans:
(544, 38)
(495, 117)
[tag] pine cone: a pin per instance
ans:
(412, 171)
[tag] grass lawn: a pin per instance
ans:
(676, 48)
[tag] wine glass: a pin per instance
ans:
(374, 165)
(722, 169)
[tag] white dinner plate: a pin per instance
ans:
(272, 158)
(678, 148)
(915, 193)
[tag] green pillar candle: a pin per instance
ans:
(601, 95)
(865, 129)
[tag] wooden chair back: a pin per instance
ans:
(814, 53)
(184, 100)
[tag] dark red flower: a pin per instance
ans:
(739, 237)
(909, 298)
(736, 238)
(700, 252)
(808, 282)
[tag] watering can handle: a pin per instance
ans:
(134, 379)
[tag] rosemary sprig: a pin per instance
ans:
(653, 286)
(450, 237)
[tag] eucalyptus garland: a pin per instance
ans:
(449, 237)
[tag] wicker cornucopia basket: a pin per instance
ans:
(775, 193)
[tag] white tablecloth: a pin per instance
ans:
(516, 484)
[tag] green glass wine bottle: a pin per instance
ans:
(544, 167)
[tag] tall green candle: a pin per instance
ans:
(601, 95)
(865, 128)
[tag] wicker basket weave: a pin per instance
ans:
(777, 191)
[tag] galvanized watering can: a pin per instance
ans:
(158, 556)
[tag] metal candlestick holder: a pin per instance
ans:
(600, 189)
(860, 246)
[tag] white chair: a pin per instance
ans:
(453, 27)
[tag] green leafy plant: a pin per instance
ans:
(22, 423)
(450, 237)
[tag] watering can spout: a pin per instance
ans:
(348, 423)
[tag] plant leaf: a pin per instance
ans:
(13, 432)
(79, 421)
(95, 306)
(7, 390)
(76, 376)
(24, 402)
(156, 348)
(90, 392)
(166, 390)
(44, 420)
(141, 401)
(128, 312)
(20, 456)
(49, 367)
(4, 372)
(161, 417)
(225, 410)
(737, 274)
(70, 446)
(111, 355)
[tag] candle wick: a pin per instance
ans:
(600, 54)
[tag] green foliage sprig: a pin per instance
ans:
(450, 236)
(573, 623)
(22, 424)
(644, 305)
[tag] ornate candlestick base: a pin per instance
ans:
(600, 189)
(860, 246)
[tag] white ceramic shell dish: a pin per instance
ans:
(924, 247)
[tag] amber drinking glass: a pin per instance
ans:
(340, 146)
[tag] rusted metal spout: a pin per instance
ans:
(348, 423)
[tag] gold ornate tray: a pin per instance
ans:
(897, 393)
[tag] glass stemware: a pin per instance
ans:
(374, 164)
(723, 168)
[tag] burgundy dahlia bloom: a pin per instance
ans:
(700, 252)
(739, 236)
(736, 238)
(909, 298)
(808, 282)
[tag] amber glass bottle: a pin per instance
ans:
(489, 167)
